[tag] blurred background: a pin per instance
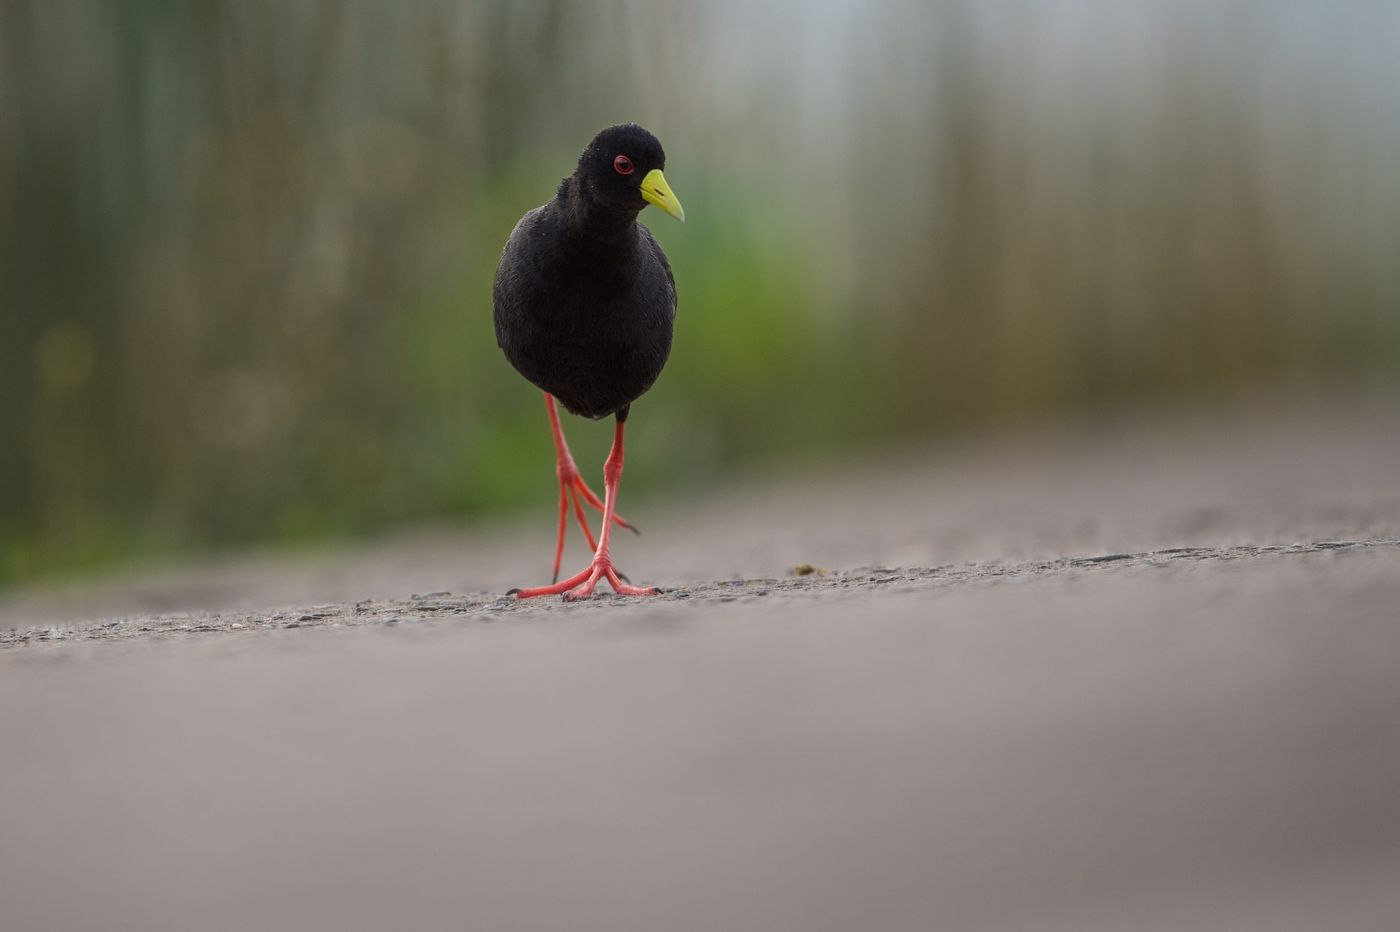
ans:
(246, 248)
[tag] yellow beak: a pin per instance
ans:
(656, 191)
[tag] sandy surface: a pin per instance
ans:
(1132, 679)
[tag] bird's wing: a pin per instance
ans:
(655, 248)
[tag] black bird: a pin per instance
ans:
(585, 303)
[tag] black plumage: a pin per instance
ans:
(584, 307)
(584, 298)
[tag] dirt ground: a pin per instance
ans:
(1134, 677)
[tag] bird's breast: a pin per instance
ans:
(590, 323)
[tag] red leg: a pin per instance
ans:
(582, 584)
(572, 488)
(582, 521)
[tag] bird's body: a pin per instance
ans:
(584, 307)
(587, 319)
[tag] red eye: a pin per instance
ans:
(622, 165)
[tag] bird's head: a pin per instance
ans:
(621, 170)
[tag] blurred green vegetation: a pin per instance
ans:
(246, 247)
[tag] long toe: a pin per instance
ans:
(624, 588)
(582, 584)
(554, 589)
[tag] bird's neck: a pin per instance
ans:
(588, 221)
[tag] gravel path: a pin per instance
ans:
(1095, 680)
(805, 582)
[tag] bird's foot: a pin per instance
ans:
(581, 585)
(574, 491)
